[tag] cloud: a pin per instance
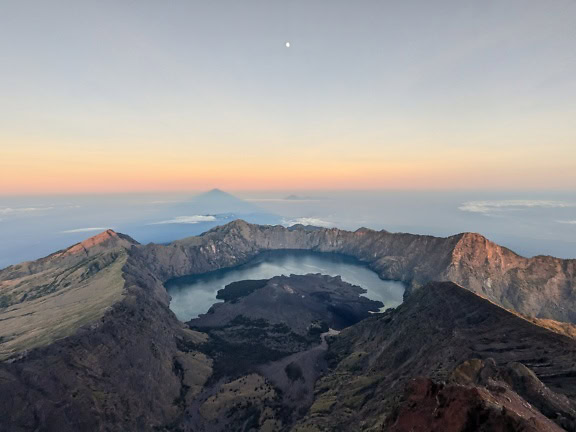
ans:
(12, 210)
(265, 199)
(308, 221)
(187, 220)
(81, 230)
(491, 207)
(165, 202)
(301, 198)
(570, 222)
(288, 199)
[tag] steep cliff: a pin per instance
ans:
(541, 287)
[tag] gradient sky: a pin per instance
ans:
(100, 96)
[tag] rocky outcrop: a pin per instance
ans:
(121, 372)
(437, 329)
(541, 286)
(436, 407)
(96, 245)
(482, 396)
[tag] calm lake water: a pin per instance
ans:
(193, 295)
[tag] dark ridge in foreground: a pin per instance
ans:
(437, 330)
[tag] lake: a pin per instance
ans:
(193, 295)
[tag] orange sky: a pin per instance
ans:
(52, 168)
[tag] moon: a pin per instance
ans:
(287, 44)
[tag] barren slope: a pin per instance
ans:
(51, 298)
(433, 332)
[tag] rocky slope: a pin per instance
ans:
(267, 350)
(122, 371)
(45, 300)
(89, 342)
(433, 333)
(542, 286)
(438, 407)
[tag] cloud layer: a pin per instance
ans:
(308, 221)
(81, 230)
(13, 210)
(490, 207)
(186, 220)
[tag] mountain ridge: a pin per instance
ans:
(45, 300)
(431, 335)
(129, 364)
(540, 286)
(101, 242)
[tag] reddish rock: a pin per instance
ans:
(431, 407)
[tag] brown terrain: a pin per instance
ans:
(87, 341)
(541, 286)
(433, 334)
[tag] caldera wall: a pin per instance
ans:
(540, 286)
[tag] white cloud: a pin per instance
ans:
(165, 202)
(288, 199)
(186, 220)
(266, 199)
(81, 230)
(490, 207)
(12, 210)
(308, 221)
(570, 222)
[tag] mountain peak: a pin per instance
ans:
(106, 239)
(216, 201)
(216, 191)
(236, 224)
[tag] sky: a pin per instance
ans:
(114, 96)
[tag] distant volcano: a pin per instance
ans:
(199, 214)
(216, 201)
